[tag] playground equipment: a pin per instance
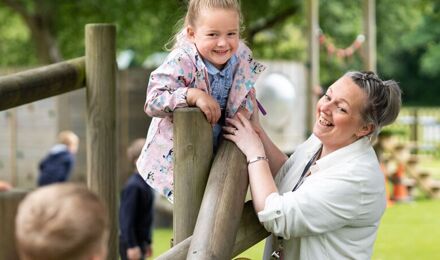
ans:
(223, 217)
(403, 170)
(223, 225)
(423, 178)
(97, 72)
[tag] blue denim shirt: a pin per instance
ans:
(220, 82)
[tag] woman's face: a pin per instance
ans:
(338, 115)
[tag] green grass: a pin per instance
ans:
(407, 231)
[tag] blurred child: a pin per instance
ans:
(208, 67)
(57, 165)
(5, 186)
(136, 212)
(62, 221)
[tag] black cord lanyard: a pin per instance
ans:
(278, 253)
(306, 169)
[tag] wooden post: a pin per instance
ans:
(369, 25)
(101, 121)
(414, 130)
(14, 141)
(313, 63)
(192, 162)
(9, 201)
(222, 205)
(250, 232)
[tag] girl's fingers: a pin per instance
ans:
(208, 115)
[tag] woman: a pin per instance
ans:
(326, 200)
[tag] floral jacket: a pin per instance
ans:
(167, 88)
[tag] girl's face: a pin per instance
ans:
(216, 35)
(338, 115)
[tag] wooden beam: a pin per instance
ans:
(222, 205)
(250, 232)
(35, 84)
(192, 163)
(101, 121)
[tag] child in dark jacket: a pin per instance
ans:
(136, 212)
(57, 165)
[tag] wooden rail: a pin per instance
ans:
(36, 84)
(249, 233)
(222, 205)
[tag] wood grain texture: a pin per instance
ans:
(193, 147)
(101, 121)
(47, 81)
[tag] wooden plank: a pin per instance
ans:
(101, 121)
(222, 205)
(35, 84)
(250, 232)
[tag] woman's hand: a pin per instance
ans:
(255, 117)
(206, 103)
(241, 132)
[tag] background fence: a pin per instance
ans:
(420, 127)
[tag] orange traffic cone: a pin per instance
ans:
(387, 188)
(400, 193)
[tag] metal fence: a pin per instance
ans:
(419, 126)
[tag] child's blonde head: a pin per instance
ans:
(135, 149)
(195, 8)
(70, 139)
(62, 221)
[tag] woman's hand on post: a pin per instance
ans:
(241, 132)
(208, 105)
(255, 116)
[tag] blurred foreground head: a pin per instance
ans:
(62, 221)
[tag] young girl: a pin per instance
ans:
(209, 67)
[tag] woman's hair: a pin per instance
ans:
(61, 221)
(383, 99)
(195, 8)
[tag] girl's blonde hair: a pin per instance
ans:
(195, 7)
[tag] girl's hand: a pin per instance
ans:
(241, 132)
(134, 253)
(206, 103)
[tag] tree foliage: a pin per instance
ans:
(408, 34)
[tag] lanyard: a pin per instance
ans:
(278, 253)
(306, 169)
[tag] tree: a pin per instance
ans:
(56, 27)
(407, 34)
(38, 16)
